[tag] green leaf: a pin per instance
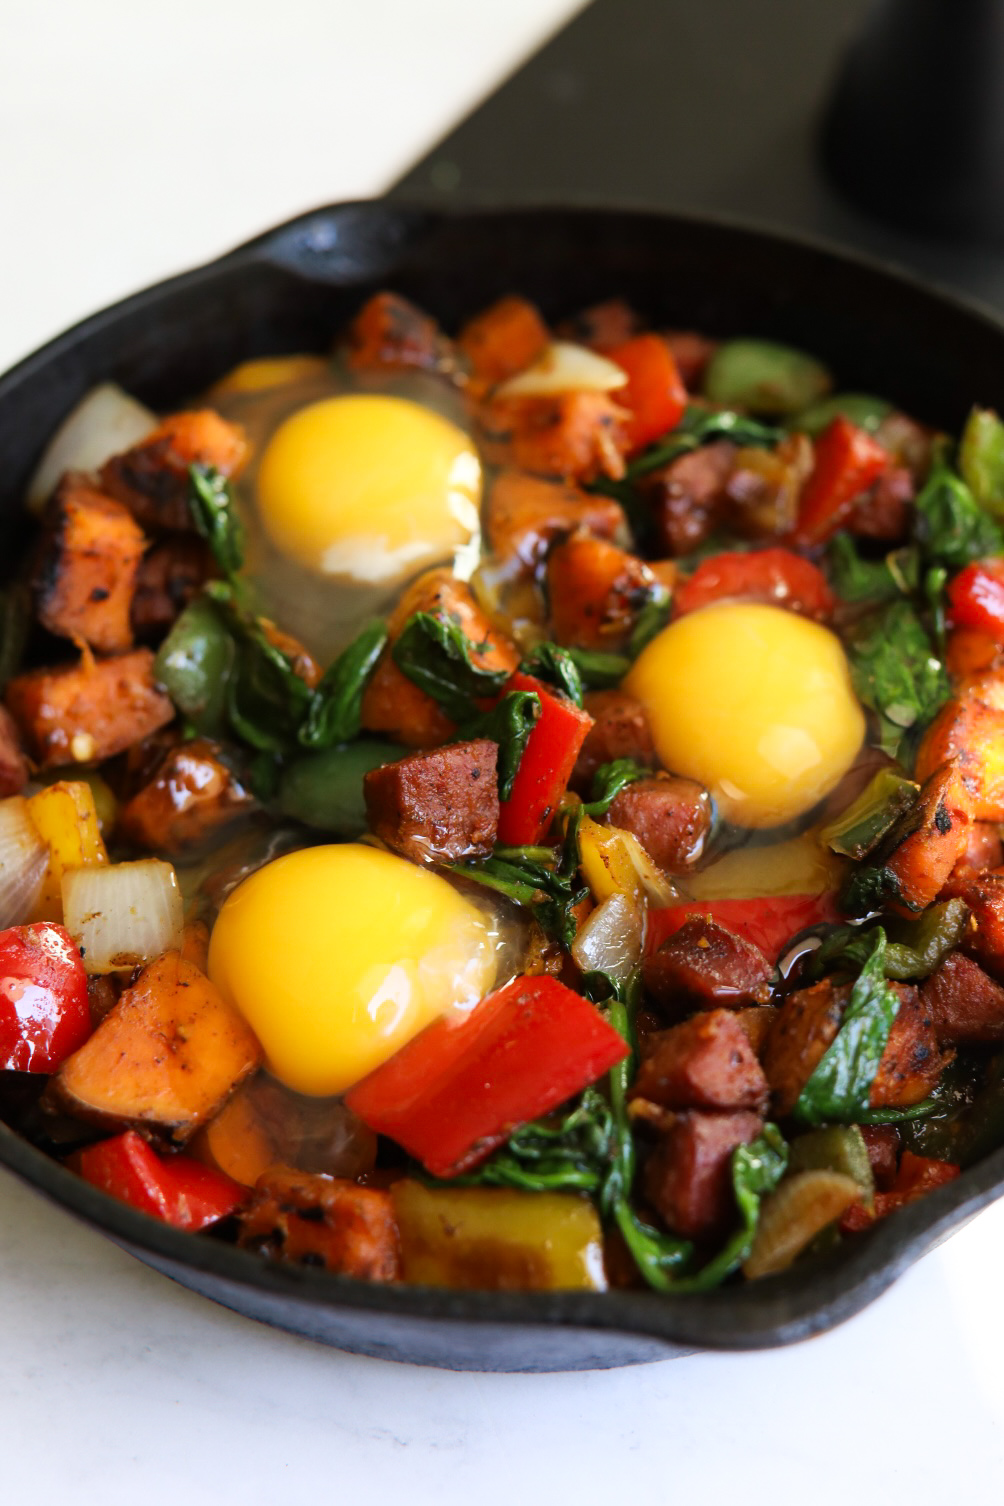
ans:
(434, 653)
(325, 789)
(756, 1169)
(950, 526)
(598, 670)
(855, 579)
(214, 514)
(981, 460)
(555, 666)
(509, 723)
(267, 700)
(838, 1090)
(896, 672)
(564, 1153)
(609, 780)
(335, 709)
(701, 426)
(548, 889)
(651, 620)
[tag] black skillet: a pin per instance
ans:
(291, 289)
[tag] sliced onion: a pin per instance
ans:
(610, 940)
(123, 915)
(563, 367)
(24, 859)
(657, 888)
(103, 423)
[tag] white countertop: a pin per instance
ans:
(139, 140)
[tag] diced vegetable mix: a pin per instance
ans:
(623, 972)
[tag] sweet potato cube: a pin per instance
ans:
(596, 591)
(163, 1059)
(972, 733)
(192, 794)
(86, 574)
(912, 1061)
(503, 339)
(152, 479)
(525, 513)
(323, 1221)
(82, 713)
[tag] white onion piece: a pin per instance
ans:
(563, 367)
(103, 423)
(610, 939)
(24, 858)
(123, 915)
(657, 888)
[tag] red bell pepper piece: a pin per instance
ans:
(777, 576)
(847, 462)
(44, 1010)
(977, 597)
(654, 394)
(546, 766)
(460, 1088)
(175, 1189)
(769, 922)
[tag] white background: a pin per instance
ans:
(136, 140)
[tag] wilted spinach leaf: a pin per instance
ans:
(949, 524)
(433, 651)
(214, 514)
(509, 723)
(555, 666)
(896, 671)
(855, 579)
(334, 713)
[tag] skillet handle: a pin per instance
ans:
(343, 244)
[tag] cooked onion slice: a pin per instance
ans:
(610, 939)
(103, 423)
(563, 367)
(791, 1217)
(24, 858)
(123, 915)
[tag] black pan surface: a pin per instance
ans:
(291, 289)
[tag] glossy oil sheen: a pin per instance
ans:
(290, 290)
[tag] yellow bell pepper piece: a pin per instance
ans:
(497, 1239)
(67, 819)
(613, 861)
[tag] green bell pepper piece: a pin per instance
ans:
(981, 459)
(325, 790)
(765, 377)
(194, 665)
(861, 408)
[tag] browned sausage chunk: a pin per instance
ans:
(152, 479)
(685, 495)
(884, 512)
(192, 794)
(706, 1062)
(882, 1145)
(985, 939)
(965, 1004)
(687, 1177)
(437, 806)
(86, 573)
(671, 818)
(81, 713)
(705, 965)
(323, 1221)
(912, 1061)
(13, 764)
(620, 730)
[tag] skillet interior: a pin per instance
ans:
(290, 290)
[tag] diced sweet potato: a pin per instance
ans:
(323, 1221)
(192, 794)
(437, 806)
(706, 1062)
(803, 1030)
(163, 1059)
(687, 1177)
(985, 938)
(602, 326)
(503, 339)
(86, 572)
(972, 734)
(170, 575)
(912, 1061)
(152, 479)
(686, 494)
(671, 818)
(82, 713)
(928, 841)
(525, 513)
(620, 730)
(705, 965)
(13, 764)
(966, 1006)
(984, 851)
(575, 436)
(596, 591)
(391, 332)
(392, 704)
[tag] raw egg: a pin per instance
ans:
(369, 487)
(756, 703)
(337, 956)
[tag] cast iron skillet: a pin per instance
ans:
(291, 290)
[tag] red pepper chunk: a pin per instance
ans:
(175, 1189)
(977, 597)
(546, 766)
(44, 1010)
(776, 576)
(654, 394)
(459, 1089)
(847, 462)
(769, 922)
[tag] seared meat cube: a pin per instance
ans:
(685, 495)
(882, 1145)
(884, 511)
(671, 818)
(985, 938)
(170, 575)
(703, 964)
(437, 806)
(620, 730)
(86, 573)
(687, 1177)
(706, 1062)
(965, 1004)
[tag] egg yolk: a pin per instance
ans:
(756, 703)
(337, 956)
(370, 487)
